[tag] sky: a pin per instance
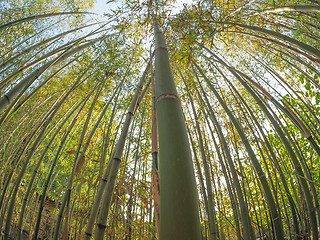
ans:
(102, 6)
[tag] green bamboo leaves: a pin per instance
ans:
(246, 87)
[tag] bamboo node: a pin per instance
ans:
(7, 98)
(161, 47)
(101, 226)
(167, 95)
(275, 219)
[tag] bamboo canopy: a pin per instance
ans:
(160, 119)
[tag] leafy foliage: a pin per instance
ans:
(260, 57)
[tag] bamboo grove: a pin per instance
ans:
(160, 120)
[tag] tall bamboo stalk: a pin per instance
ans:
(22, 20)
(37, 45)
(79, 157)
(107, 182)
(276, 220)
(179, 201)
(305, 47)
(155, 178)
(201, 180)
(47, 183)
(37, 166)
(20, 87)
(272, 156)
(116, 160)
(248, 230)
(137, 156)
(292, 155)
(214, 232)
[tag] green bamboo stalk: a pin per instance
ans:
(67, 195)
(289, 113)
(155, 177)
(12, 48)
(24, 64)
(214, 232)
(179, 201)
(18, 88)
(218, 203)
(8, 153)
(107, 138)
(18, 155)
(283, 46)
(14, 104)
(81, 155)
(276, 220)
(309, 25)
(199, 171)
(248, 230)
(303, 72)
(113, 164)
(255, 138)
(314, 211)
(311, 50)
(47, 184)
(298, 59)
(289, 149)
(74, 86)
(277, 76)
(64, 49)
(44, 125)
(37, 45)
(116, 160)
(273, 157)
(293, 28)
(293, 8)
(98, 195)
(271, 98)
(306, 169)
(232, 196)
(22, 102)
(129, 219)
(37, 166)
(231, 193)
(22, 20)
(256, 185)
(26, 141)
(295, 161)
